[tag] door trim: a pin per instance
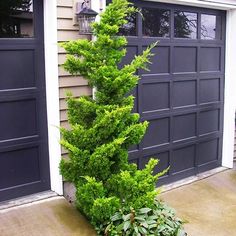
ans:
(230, 91)
(52, 93)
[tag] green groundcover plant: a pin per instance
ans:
(116, 197)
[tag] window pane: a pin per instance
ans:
(16, 19)
(156, 22)
(130, 28)
(208, 26)
(185, 25)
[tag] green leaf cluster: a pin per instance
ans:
(160, 220)
(102, 129)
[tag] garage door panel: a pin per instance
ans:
(185, 59)
(19, 119)
(207, 152)
(155, 96)
(184, 127)
(183, 159)
(158, 133)
(184, 93)
(16, 76)
(209, 121)
(210, 90)
(14, 162)
(210, 59)
(160, 61)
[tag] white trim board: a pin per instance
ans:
(230, 71)
(52, 93)
(230, 90)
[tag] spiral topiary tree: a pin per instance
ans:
(102, 129)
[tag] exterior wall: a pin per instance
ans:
(66, 30)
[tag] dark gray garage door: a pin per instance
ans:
(182, 94)
(23, 133)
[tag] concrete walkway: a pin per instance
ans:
(209, 205)
(52, 217)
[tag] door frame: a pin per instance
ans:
(52, 93)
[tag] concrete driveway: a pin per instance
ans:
(209, 205)
(52, 217)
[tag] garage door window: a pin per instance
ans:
(173, 23)
(150, 19)
(16, 19)
(185, 25)
(209, 29)
(130, 28)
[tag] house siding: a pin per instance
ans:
(66, 30)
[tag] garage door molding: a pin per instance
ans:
(52, 93)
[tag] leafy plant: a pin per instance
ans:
(157, 221)
(102, 129)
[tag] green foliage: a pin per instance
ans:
(87, 192)
(102, 129)
(103, 208)
(159, 220)
(135, 188)
(98, 60)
